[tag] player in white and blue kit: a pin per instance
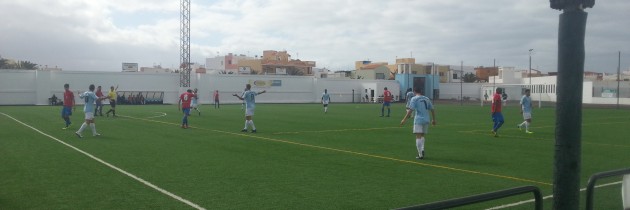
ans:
(422, 106)
(194, 103)
(90, 98)
(249, 97)
(325, 100)
(526, 110)
(408, 97)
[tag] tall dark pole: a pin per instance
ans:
(530, 66)
(184, 53)
(618, 78)
(567, 158)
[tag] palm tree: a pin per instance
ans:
(4, 63)
(469, 77)
(27, 65)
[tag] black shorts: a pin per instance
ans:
(112, 103)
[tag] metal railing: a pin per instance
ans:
(482, 198)
(590, 188)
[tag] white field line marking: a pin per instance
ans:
(163, 114)
(544, 198)
(176, 197)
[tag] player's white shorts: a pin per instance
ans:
(423, 128)
(527, 115)
(89, 115)
(194, 105)
(249, 111)
(325, 102)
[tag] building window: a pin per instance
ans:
(380, 76)
(454, 76)
(229, 62)
(441, 74)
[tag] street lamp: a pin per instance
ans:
(530, 66)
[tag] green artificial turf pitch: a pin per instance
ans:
(301, 158)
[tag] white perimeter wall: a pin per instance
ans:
(35, 87)
(455, 90)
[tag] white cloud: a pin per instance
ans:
(99, 35)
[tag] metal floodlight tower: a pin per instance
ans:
(568, 145)
(184, 53)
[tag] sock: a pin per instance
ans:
(420, 145)
(526, 126)
(499, 124)
(185, 120)
(67, 119)
(246, 123)
(251, 122)
(388, 111)
(523, 123)
(325, 109)
(382, 111)
(82, 128)
(114, 112)
(93, 127)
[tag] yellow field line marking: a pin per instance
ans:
(359, 153)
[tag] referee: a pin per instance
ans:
(112, 100)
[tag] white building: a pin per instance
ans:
(227, 64)
(155, 69)
(507, 75)
(326, 73)
(455, 72)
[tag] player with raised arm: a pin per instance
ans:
(325, 100)
(68, 105)
(112, 96)
(526, 110)
(421, 105)
(88, 108)
(195, 104)
(249, 97)
(183, 104)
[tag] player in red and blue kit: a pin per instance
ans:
(497, 117)
(68, 105)
(387, 100)
(185, 100)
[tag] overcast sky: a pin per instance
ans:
(100, 35)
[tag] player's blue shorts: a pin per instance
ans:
(186, 111)
(66, 111)
(386, 103)
(497, 117)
